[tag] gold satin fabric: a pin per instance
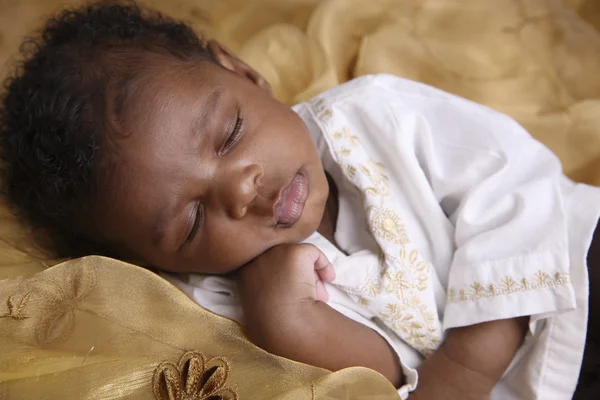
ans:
(96, 328)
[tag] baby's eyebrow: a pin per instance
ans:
(207, 109)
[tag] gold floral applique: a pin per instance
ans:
(507, 285)
(16, 311)
(195, 377)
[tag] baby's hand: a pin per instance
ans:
(280, 292)
(286, 274)
(280, 288)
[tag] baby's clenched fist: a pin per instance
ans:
(279, 283)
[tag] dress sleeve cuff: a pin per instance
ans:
(533, 285)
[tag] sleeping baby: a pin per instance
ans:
(383, 224)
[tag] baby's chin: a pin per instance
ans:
(311, 226)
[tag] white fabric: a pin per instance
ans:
(451, 215)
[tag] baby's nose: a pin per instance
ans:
(243, 190)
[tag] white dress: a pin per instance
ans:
(450, 214)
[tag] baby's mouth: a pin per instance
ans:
(290, 203)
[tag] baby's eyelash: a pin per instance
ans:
(234, 136)
(198, 216)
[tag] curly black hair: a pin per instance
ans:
(57, 112)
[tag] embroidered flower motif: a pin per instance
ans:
(379, 181)
(372, 288)
(16, 311)
(194, 378)
(560, 279)
(61, 299)
(344, 151)
(349, 137)
(419, 269)
(323, 112)
(388, 226)
(477, 289)
(542, 278)
(451, 294)
(412, 319)
(350, 171)
(508, 285)
(397, 284)
(402, 279)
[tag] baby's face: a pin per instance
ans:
(212, 172)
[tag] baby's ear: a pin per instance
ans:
(227, 59)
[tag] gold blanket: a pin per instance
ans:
(96, 328)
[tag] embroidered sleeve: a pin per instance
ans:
(500, 189)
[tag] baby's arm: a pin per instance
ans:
(283, 316)
(471, 360)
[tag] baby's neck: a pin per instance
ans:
(329, 220)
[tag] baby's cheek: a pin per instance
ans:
(228, 250)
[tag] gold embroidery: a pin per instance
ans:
(397, 283)
(379, 180)
(542, 278)
(62, 300)
(344, 151)
(194, 378)
(345, 134)
(351, 290)
(451, 295)
(403, 276)
(323, 112)
(368, 290)
(373, 288)
(363, 301)
(375, 171)
(401, 317)
(16, 311)
(388, 225)
(350, 171)
(508, 285)
(380, 166)
(477, 288)
(364, 170)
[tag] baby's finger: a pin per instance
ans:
(321, 291)
(325, 269)
(322, 265)
(326, 274)
(317, 257)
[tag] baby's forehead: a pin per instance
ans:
(165, 84)
(161, 116)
